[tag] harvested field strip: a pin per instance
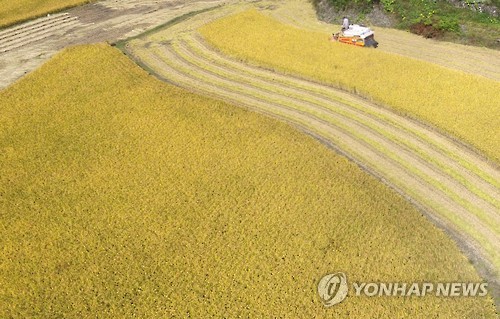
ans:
(31, 26)
(364, 138)
(42, 34)
(464, 58)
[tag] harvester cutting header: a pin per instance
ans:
(356, 35)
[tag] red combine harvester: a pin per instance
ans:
(356, 35)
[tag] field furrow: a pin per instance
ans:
(457, 188)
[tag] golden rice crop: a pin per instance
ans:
(464, 105)
(14, 11)
(121, 196)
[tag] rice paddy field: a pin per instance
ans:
(123, 196)
(14, 11)
(221, 164)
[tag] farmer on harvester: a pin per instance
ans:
(345, 26)
(345, 23)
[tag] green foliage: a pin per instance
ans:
(388, 5)
(361, 5)
(415, 11)
(447, 23)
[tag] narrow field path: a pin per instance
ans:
(455, 187)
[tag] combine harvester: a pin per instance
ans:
(356, 35)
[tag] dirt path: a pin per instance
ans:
(454, 187)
